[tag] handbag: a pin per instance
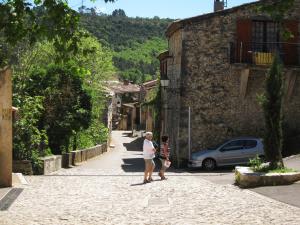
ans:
(167, 163)
(161, 157)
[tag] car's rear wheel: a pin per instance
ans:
(209, 164)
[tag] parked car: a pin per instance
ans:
(236, 151)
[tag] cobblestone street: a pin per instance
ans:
(108, 190)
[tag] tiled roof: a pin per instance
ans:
(119, 87)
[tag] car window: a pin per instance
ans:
(234, 145)
(216, 146)
(250, 144)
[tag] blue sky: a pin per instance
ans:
(163, 8)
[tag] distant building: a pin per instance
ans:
(125, 105)
(216, 64)
(148, 93)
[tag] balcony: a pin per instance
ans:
(263, 53)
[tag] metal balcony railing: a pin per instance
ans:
(263, 53)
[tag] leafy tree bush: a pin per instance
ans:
(92, 64)
(139, 63)
(29, 142)
(96, 134)
(119, 12)
(33, 21)
(135, 41)
(67, 105)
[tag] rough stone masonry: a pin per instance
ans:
(222, 95)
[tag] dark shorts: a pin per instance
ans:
(163, 168)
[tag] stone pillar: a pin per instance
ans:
(5, 128)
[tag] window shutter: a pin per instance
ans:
(244, 39)
(244, 31)
(290, 50)
(292, 26)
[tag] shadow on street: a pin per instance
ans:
(133, 165)
(135, 145)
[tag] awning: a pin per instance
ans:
(130, 105)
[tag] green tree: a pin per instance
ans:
(52, 20)
(135, 41)
(119, 12)
(272, 100)
(28, 140)
(93, 60)
(67, 105)
(272, 105)
(98, 61)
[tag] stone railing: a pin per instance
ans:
(53, 163)
(50, 164)
(22, 166)
(75, 158)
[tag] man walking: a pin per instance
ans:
(149, 154)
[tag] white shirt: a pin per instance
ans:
(148, 151)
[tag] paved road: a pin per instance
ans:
(108, 190)
(289, 194)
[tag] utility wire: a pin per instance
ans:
(78, 4)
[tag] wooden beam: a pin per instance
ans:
(244, 82)
(289, 84)
(5, 128)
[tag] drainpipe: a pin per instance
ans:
(189, 133)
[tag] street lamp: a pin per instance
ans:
(164, 82)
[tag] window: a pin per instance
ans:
(250, 144)
(234, 145)
(265, 35)
(163, 68)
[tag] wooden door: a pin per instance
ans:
(291, 46)
(244, 39)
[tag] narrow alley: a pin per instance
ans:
(109, 190)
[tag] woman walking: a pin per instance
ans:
(149, 154)
(164, 157)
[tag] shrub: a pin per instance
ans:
(272, 106)
(29, 142)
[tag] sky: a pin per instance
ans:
(174, 9)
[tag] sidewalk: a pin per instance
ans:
(3, 192)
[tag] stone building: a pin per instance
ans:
(125, 105)
(216, 64)
(148, 91)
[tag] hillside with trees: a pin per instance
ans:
(135, 41)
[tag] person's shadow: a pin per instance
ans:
(142, 183)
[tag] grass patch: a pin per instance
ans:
(266, 169)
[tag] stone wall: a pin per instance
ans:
(80, 156)
(50, 164)
(211, 86)
(22, 166)
(54, 163)
(172, 106)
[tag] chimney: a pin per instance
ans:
(219, 5)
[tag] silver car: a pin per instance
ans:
(236, 151)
